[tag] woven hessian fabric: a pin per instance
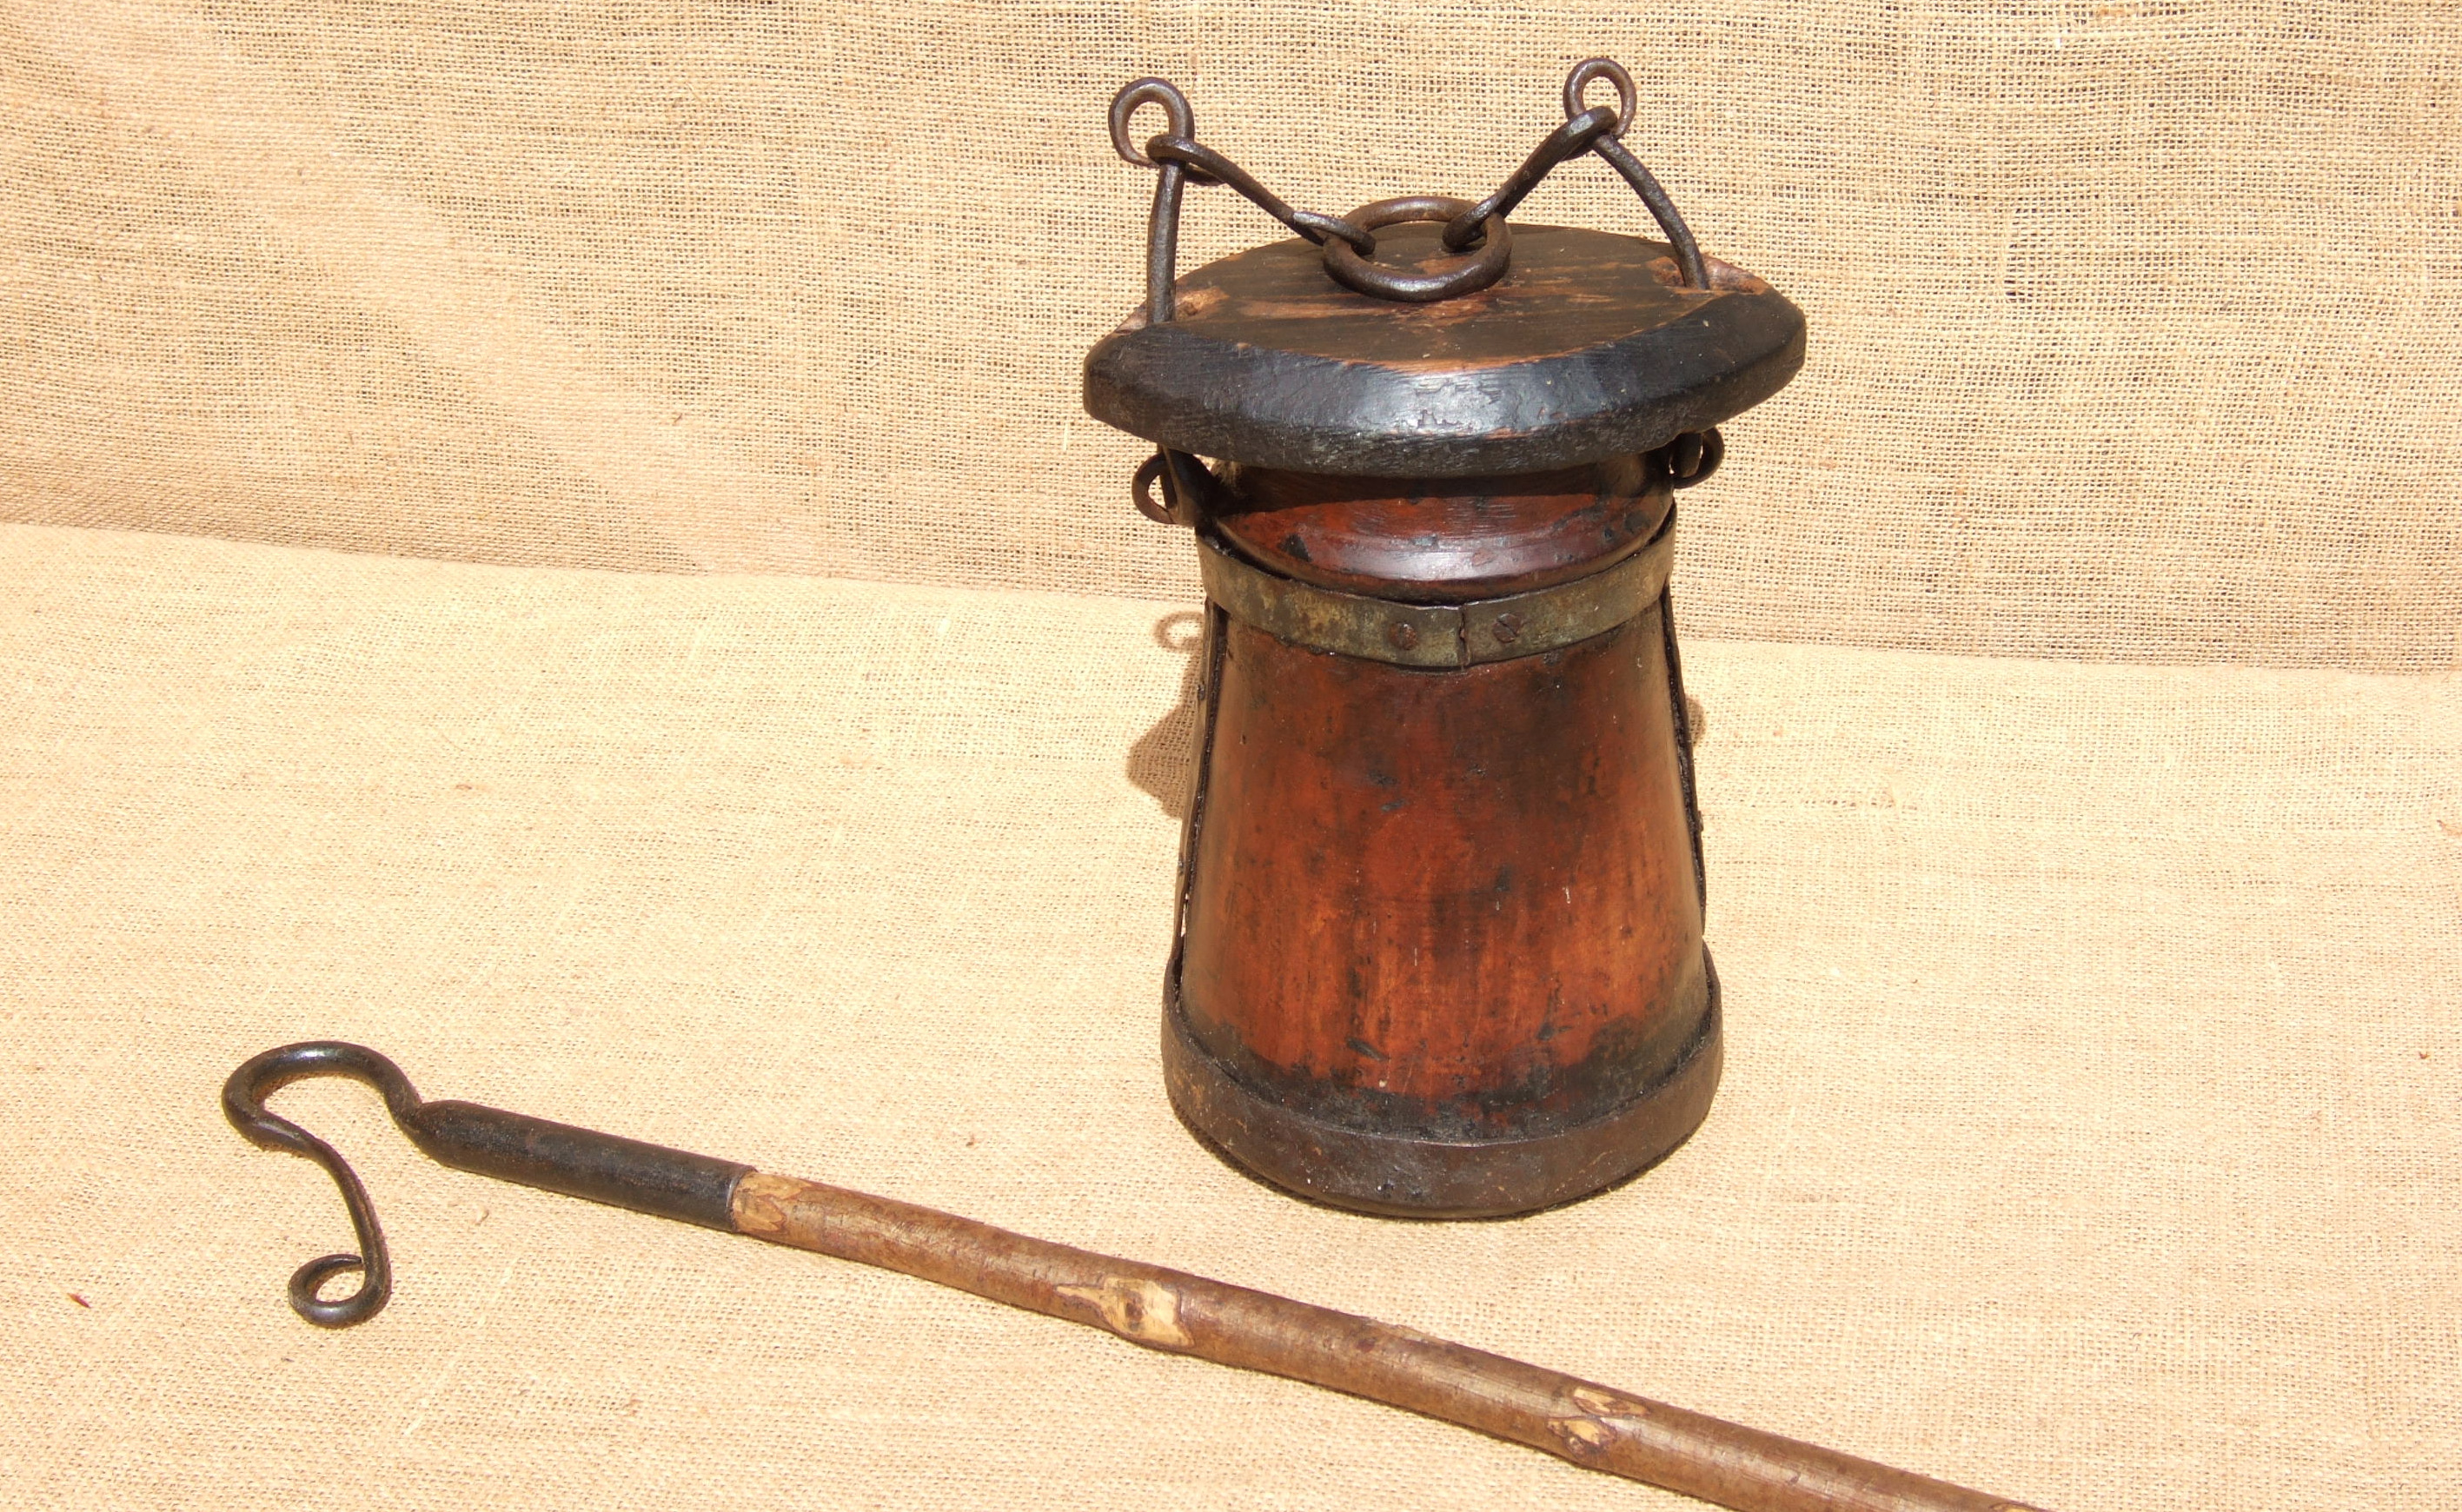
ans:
(744, 712)
(2135, 325)
(2090, 1130)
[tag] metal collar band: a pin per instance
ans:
(1436, 635)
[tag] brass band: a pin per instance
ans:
(1436, 635)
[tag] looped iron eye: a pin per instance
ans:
(1694, 455)
(1138, 92)
(1589, 70)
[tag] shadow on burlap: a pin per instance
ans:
(2089, 1133)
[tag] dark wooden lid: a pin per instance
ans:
(1586, 349)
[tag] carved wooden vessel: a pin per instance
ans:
(1440, 929)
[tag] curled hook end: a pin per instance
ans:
(244, 1098)
(374, 1291)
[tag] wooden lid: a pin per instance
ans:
(1588, 348)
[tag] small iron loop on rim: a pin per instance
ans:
(1137, 93)
(244, 1098)
(1577, 84)
(1472, 271)
(1694, 455)
(1155, 469)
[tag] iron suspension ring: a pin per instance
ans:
(1470, 273)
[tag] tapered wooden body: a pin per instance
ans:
(1440, 939)
(1441, 946)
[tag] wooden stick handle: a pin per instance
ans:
(1592, 1426)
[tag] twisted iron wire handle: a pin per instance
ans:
(1619, 157)
(1180, 160)
(1694, 455)
(1601, 131)
(1209, 166)
(244, 1098)
(1581, 133)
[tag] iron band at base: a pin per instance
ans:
(1400, 1176)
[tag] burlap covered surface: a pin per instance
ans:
(2090, 1129)
(2137, 326)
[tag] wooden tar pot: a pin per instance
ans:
(1439, 940)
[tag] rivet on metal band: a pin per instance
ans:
(1436, 635)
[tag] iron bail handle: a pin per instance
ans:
(1474, 234)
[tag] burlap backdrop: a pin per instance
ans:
(2136, 323)
(2092, 1124)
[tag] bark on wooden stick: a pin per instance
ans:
(1593, 1426)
